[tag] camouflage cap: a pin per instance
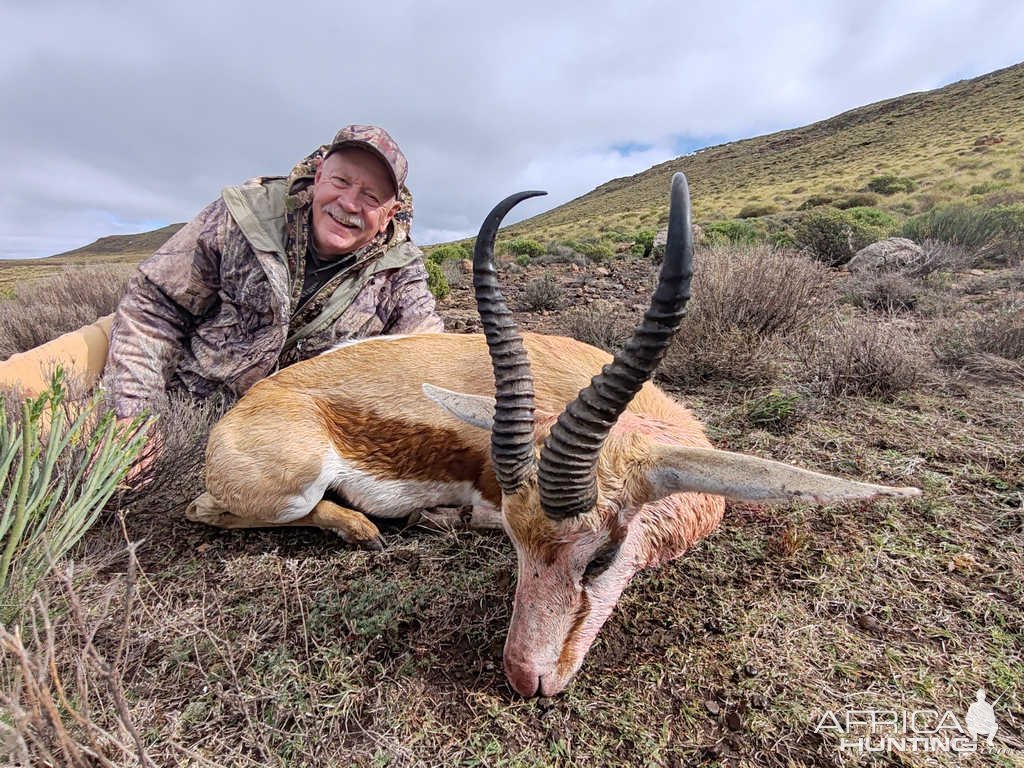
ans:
(380, 143)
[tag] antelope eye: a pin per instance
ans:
(603, 558)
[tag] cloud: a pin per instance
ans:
(133, 113)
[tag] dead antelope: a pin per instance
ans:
(622, 478)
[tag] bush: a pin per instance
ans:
(863, 357)
(860, 200)
(523, 260)
(450, 252)
(595, 250)
(1002, 333)
(746, 300)
(874, 217)
(891, 292)
(44, 309)
(815, 201)
(437, 283)
(525, 247)
(731, 232)
(754, 210)
(643, 243)
(598, 324)
(967, 226)
(543, 293)
(890, 184)
(832, 237)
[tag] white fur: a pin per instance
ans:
(387, 497)
(353, 342)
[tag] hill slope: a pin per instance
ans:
(963, 141)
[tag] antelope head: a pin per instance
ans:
(589, 499)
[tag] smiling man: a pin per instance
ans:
(276, 270)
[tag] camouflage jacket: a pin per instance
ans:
(211, 310)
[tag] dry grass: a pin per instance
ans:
(869, 357)
(43, 310)
(543, 293)
(599, 324)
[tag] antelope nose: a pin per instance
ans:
(524, 676)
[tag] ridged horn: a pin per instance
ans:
(567, 477)
(512, 436)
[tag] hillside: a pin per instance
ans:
(961, 142)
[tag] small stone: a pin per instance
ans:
(749, 670)
(714, 626)
(733, 721)
(545, 703)
(868, 623)
(713, 707)
(757, 701)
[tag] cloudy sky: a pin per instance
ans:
(121, 117)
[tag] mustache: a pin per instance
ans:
(340, 216)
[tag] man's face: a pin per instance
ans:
(353, 200)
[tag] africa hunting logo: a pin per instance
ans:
(919, 730)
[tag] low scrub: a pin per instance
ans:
(524, 247)
(436, 280)
(855, 356)
(776, 412)
(746, 300)
(833, 237)
(598, 324)
(857, 200)
(43, 310)
(890, 184)
(983, 232)
(449, 252)
(543, 293)
(732, 232)
(755, 210)
(891, 292)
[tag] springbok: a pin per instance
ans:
(622, 478)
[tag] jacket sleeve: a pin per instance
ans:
(412, 306)
(176, 285)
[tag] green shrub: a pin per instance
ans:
(643, 243)
(523, 260)
(436, 281)
(59, 465)
(595, 250)
(815, 201)
(755, 210)
(832, 237)
(450, 252)
(970, 227)
(731, 232)
(874, 217)
(858, 200)
(890, 184)
(523, 246)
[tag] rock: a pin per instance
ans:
(713, 707)
(894, 254)
(602, 271)
(467, 266)
(658, 249)
(733, 721)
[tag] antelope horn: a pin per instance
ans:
(512, 435)
(568, 461)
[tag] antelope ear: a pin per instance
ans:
(475, 410)
(678, 469)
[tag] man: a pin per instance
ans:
(275, 271)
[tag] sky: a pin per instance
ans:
(120, 117)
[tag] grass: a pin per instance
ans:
(198, 646)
